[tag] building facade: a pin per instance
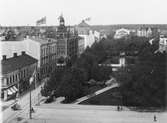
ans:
(15, 74)
(89, 36)
(67, 40)
(163, 44)
(121, 33)
(44, 50)
(81, 45)
(144, 32)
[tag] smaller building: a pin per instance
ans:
(15, 74)
(163, 44)
(121, 33)
(144, 32)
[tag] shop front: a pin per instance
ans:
(9, 93)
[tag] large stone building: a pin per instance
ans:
(44, 50)
(15, 72)
(89, 35)
(67, 40)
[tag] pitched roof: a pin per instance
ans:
(83, 24)
(15, 63)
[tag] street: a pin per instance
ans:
(9, 114)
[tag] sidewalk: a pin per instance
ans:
(6, 104)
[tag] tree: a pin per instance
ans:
(71, 86)
(146, 86)
(23, 85)
(53, 82)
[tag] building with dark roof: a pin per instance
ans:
(15, 74)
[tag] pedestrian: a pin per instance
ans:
(118, 108)
(155, 118)
(32, 110)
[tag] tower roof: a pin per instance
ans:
(61, 18)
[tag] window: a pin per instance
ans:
(10, 79)
(13, 79)
(7, 80)
(16, 77)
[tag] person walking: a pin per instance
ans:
(155, 118)
(118, 108)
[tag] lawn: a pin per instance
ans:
(110, 97)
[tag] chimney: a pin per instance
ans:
(23, 52)
(14, 54)
(4, 57)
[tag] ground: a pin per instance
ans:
(70, 113)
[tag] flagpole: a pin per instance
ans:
(30, 81)
(30, 115)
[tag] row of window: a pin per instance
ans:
(16, 77)
(48, 59)
(46, 70)
(48, 50)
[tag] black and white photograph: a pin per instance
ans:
(83, 61)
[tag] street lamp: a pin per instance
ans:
(31, 80)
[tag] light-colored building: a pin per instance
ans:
(85, 32)
(97, 35)
(44, 50)
(163, 44)
(15, 73)
(121, 33)
(88, 39)
(144, 32)
(81, 45)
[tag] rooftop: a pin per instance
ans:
(16, 62)
(42, 40)
(83, 24)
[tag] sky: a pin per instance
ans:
(101, 12)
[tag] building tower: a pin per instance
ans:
(61, 20)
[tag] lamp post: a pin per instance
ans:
(30, 115)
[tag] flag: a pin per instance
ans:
(32, 78)
(41, 21)
(88, 19)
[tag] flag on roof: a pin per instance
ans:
(88, 19)
(41, 21)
